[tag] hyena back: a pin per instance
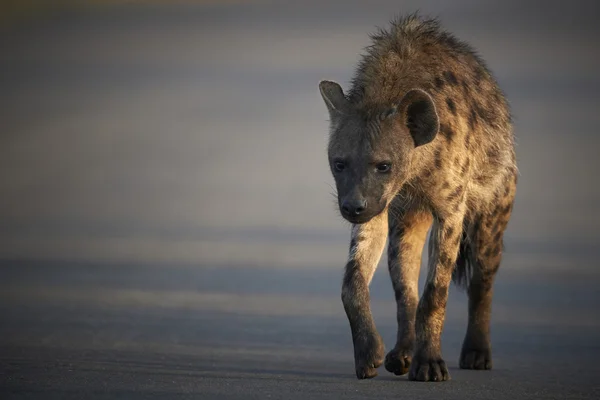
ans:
(422, 139)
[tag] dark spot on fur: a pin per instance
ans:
(457, 192)
(451, 105)
(498, 236)
(438, 159)
(439, 82)
(447, 132)
(496, 197)
(445, 259)
(457, 207)
(471, 204)
(497, 209)
(434, 297)
(449, 231)
(458, 238)
(450, 77)
(480, 112)
(481, 179)
(457, 161)
(499, 225)
(489, 224)
(488, 252)
(493, 153)
(432, 289)
(497, 250)
(427, 173)
(467, 140)
(441, 292)
(472, 119)
(446, 185)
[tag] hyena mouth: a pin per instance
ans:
(361, 218)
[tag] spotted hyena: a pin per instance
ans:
(422, 139)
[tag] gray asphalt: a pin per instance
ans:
(93, 331)
(166, 223)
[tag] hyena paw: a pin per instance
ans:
(398, 361)
(428, 368)
(475, 358)
(368, 355)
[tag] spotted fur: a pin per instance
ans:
(422, 140)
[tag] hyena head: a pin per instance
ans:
(370, 152)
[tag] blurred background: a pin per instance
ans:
(164, 185)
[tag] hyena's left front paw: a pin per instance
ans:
(428, 366)
(398, 360)
(368, 355)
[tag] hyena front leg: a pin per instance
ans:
(406, 239)
(366, 247)
(427, 363)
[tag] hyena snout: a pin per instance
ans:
(358, 210)
(352, 208)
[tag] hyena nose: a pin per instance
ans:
(354, 207)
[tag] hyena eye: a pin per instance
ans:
(383, 167)
(339, 166)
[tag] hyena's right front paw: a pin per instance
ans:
(398, 361)
(368, 355)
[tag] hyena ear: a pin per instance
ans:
(334, 98)
(420, 116)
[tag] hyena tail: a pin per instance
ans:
(465, 262)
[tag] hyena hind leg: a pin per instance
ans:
(484, 253)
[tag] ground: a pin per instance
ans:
(80, 330)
